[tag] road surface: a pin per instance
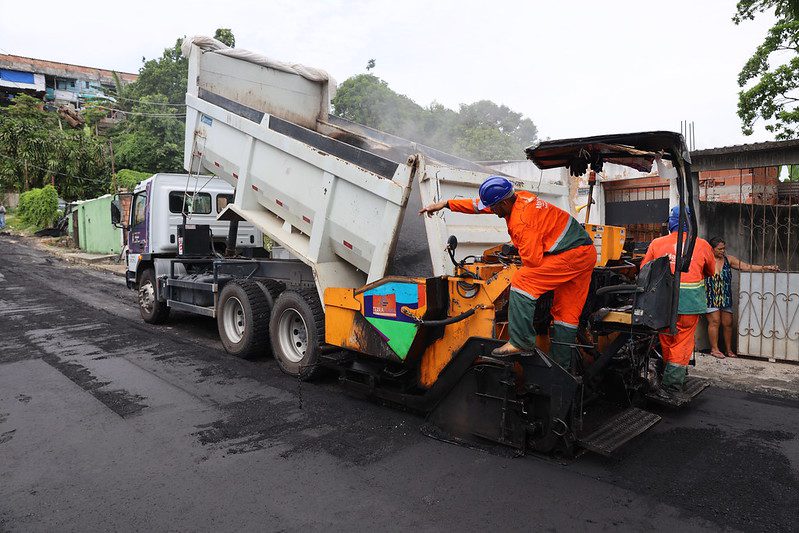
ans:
(109, 423)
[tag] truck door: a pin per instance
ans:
(137, 241)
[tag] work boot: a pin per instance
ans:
(660, 392)
(506, 350)
(674, 377)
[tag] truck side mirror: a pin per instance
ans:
(116, 211)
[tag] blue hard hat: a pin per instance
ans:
(674, 218)
(494, 190)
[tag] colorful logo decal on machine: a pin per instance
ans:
(384, 305)
(382, 308)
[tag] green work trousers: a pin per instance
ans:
(521, 310)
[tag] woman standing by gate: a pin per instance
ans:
(719, 295)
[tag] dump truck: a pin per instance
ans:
(405, 308)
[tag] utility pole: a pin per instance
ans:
(113, 170)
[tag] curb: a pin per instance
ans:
(70, 257)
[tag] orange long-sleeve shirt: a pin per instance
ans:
(693, 300)
(536, 227)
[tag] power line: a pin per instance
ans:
(53, 172)
(144, 101)
(136, 113)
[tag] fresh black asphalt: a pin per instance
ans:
(108, 423)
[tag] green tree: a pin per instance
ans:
(38, 208)
(225, 35)
(27, 139)
(128, 179)
(151, 139)
(36, 151)
(491, 131)
(93, 112)
(368, 100)
(770, 78)
(479, 131)
(166, 76)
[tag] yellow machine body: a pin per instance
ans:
(397, 319)
(388, 319)
(608, 241)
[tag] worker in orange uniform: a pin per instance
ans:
(677, 349)
(557, 255)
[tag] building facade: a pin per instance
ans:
(56, 83)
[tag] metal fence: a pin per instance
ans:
(759, 227)
(768, 303)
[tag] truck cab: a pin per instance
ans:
(157, 209)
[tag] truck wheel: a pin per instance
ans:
(271, 289)
(152, 310)
(243, 319)
(297, 330)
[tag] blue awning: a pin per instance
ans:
(16, 76)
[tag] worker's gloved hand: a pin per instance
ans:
(509, 249)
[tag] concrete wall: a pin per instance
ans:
(96, 234)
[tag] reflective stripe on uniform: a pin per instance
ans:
(560, 237)
(564, 324)
(523, 293)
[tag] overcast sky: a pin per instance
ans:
(574, 67)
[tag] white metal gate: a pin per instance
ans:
(768, 303)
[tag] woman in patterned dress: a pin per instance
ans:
(719, 295)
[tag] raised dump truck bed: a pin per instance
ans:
(341, 197)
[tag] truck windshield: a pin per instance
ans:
(198, 204)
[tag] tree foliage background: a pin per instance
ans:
(770, 78)
(35, 151)
(151, 137)
(479, 131)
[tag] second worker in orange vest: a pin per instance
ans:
(557, 255)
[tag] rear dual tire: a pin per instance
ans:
(297, 331)
(242, 318)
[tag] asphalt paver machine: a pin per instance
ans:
(404, 308)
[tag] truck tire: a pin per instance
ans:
(242, 318)
(271, 289)
(297, 331)
(153, 311)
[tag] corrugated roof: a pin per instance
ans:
(751, 147)
(54, 68)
